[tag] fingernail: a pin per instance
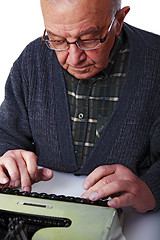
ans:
(4, 180)
(111, 203)
(17, 183)
(49, 172)
(85, 196)
(27, 189)
(86, 185)
(93, 196)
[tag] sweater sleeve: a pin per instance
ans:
(15, 132)
(152, 176)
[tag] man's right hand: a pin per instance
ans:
(18, 168)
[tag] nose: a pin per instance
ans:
(75, 55)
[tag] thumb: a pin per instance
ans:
(43, 174)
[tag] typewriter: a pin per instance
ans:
(41, 216)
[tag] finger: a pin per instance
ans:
(11, 171)
(3, 178)
(108, 190)
(24, 175)
(16, 164)
(124, 200)
(97, 174)
(102, 182)
(43, 174)
(31, 163)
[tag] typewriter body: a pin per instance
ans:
(48, 216)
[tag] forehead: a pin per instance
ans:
(83, 14)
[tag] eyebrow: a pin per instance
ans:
(52, 33)
(82, 33)
(89, 30)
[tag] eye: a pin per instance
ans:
(89, 44)
(54, 38)
(57, 44)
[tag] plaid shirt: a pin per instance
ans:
(93, 100)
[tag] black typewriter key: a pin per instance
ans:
(34, 194)
(61, 223)
(61, 197)
(78, 200)
(70, 199)
(29, 220)
(34, 221)
(8, 190)
(43, 195)
(83, 200)
(102, 203)
(49, 223)
(92, 203)
(53, 196)
(38, 221)
(58, 224)
(46, 222)
(24, 193)
(67, 224)
(16, 192)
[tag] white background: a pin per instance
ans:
(21, 22)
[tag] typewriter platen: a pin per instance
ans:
(48, 216)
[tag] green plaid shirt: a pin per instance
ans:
(93, 100)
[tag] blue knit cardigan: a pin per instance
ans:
(35, 113)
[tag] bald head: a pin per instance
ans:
(63, 1)
(116, 4)
(73, 21)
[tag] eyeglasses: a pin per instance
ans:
(88, 44)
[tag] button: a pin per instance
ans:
(80, 115)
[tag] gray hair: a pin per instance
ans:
(116, 4)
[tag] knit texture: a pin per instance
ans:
(35, 114)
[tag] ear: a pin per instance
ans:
(120, 18)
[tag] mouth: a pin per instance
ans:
(81, 69)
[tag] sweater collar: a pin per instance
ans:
(102, 152)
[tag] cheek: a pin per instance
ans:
(99, 56)
(62, 57)
(94, 56)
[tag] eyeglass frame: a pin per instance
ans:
(101, 40)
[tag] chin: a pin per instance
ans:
(85, 74)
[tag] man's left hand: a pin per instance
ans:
(120, 183)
